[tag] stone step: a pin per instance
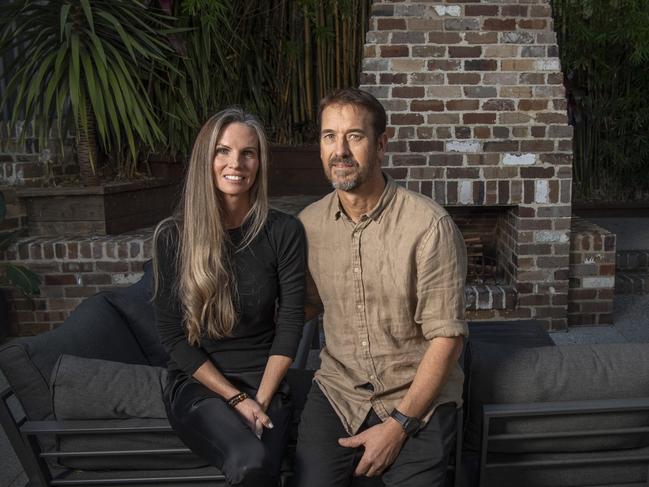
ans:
(632, 260)
(632, 282)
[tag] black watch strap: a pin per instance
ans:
(409, 424)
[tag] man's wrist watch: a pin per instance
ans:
(409, 424)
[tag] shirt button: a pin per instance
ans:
(364, 343)
(359, 306)
(372, 377)
(357, 269)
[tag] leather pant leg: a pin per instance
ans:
(218, 434)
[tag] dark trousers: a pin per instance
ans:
(218, 434)
(322, 462)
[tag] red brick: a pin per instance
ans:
(481, 37)
(462, 173)
(408, 92)
(426, 146)
(393, 79)
(532, 104)
(514, 11)
(395, 51)
(499, 24)
(465, 51)
(444, 38)
(537, 172)
(427, 106)
(481, 65)
(536, 24)
(462, 105)
(409, 160)
(443, 65)
(480, 10)
(406, 119)
(60, 279)
(391, 24)
(463, 78)
(476, 118)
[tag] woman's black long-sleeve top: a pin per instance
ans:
(270, 292)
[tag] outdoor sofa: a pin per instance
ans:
(535, 415)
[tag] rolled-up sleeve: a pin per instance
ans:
(168, 309)
(441, 275)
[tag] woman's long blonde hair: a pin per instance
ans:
(206, 283)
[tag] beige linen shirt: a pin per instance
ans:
(388, 284)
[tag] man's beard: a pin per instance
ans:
(352, 169)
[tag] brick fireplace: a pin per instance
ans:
(474, 94)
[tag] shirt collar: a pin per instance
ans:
(375, 213)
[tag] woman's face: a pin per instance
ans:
(236, 162)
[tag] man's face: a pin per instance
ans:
(350, 151)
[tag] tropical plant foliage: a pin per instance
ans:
(146, 75)
(276, 58)
(19, 277)
(83, 63)
(604, 48)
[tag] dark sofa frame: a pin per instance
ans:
(495, 412)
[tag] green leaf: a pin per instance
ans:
(65, 10)
(85, 5)
(24, 279)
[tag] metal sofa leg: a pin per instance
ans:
(27, 457)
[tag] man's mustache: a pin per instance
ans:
(348, 161)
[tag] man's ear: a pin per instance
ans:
(382, 143)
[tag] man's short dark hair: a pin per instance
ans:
(358, 98)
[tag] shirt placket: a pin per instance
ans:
(363, 334)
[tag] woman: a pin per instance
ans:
(221, 266)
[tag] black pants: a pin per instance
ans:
(322, 462)
(218, 434)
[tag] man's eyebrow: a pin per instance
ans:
(331, 131)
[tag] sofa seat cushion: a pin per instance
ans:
(504, 375)
(84, 388)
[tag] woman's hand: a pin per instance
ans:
(254, 416)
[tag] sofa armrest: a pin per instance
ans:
(565, 407)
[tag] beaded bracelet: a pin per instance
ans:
(236, 399)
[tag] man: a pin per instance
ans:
(388, 265)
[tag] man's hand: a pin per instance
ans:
(382, 444)
(254, 416)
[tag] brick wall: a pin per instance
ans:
(477, 112)
(27, 162)
(73, 269)
(592, 274)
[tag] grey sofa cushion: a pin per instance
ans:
(502, 375)
(84, 388)
(95, 329)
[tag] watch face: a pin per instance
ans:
(411, 426)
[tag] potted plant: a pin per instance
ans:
(12, 276)
(83, 65)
